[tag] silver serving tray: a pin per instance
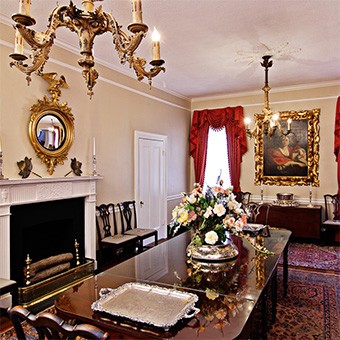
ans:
(153, 305)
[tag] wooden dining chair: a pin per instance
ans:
(128, 216)
(331, 224)
(113, 243)
(51, 326)
(243, 197)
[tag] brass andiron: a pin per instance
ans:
(76, 245)
(28, 275)
(87, 22)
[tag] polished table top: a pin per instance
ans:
(226, 297)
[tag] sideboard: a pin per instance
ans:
(302, 221)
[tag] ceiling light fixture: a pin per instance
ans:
(266, 122)
(87, 22)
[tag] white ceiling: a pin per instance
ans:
(214, 47)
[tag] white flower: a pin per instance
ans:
(219, 210)
(211, 237)
(239, 225)
(208, 212)
(191, 199)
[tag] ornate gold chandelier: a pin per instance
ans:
(87, 22)
(266, 122)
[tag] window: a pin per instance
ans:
(217, 166)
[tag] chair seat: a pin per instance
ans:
(119, 239)
(332, 222)
(141, 232)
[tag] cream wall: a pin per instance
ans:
(322, 96)
(119, 106)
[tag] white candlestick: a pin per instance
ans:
(137, 12)
(0, 147)
(94, 146)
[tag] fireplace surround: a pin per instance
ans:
(25, 192)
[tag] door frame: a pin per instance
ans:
(157, 137)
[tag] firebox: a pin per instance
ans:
(45, 229)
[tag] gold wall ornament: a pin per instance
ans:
(293, 159)
(51, 126)
(87, 22)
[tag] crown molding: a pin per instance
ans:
(276, 90)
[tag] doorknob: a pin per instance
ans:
(141, 202)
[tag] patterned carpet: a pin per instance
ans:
(310, 255)
(311, 309)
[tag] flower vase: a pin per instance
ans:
(213, 253)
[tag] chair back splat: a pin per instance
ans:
(128, 216)
(243, 197)
(50, 326)
(332, 207)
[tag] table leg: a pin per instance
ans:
(274, 296)
(285, 270)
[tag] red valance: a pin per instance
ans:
(232, 118)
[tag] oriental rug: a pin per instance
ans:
(311, 308)
(312, 256)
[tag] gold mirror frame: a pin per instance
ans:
(52, 107)
(305, 130)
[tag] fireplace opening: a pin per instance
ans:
(43, 230)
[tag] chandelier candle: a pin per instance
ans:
(24, 7)
(137, 12)
(156, 49)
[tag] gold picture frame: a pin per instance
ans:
(292, 159)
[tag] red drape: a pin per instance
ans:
(233, 120)
(337, 139)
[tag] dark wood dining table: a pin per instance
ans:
(229, 296)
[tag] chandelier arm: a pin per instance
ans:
(138, 65)
(125, 44)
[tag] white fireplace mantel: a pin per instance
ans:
(25, 191)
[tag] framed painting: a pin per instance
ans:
(291, 159)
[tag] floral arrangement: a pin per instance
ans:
(211, 215)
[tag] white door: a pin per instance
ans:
(150, 181)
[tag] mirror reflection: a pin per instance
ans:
(50, 132)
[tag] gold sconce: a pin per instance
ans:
(267, 121)
(87, 22)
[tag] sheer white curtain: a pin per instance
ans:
(217, 166)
